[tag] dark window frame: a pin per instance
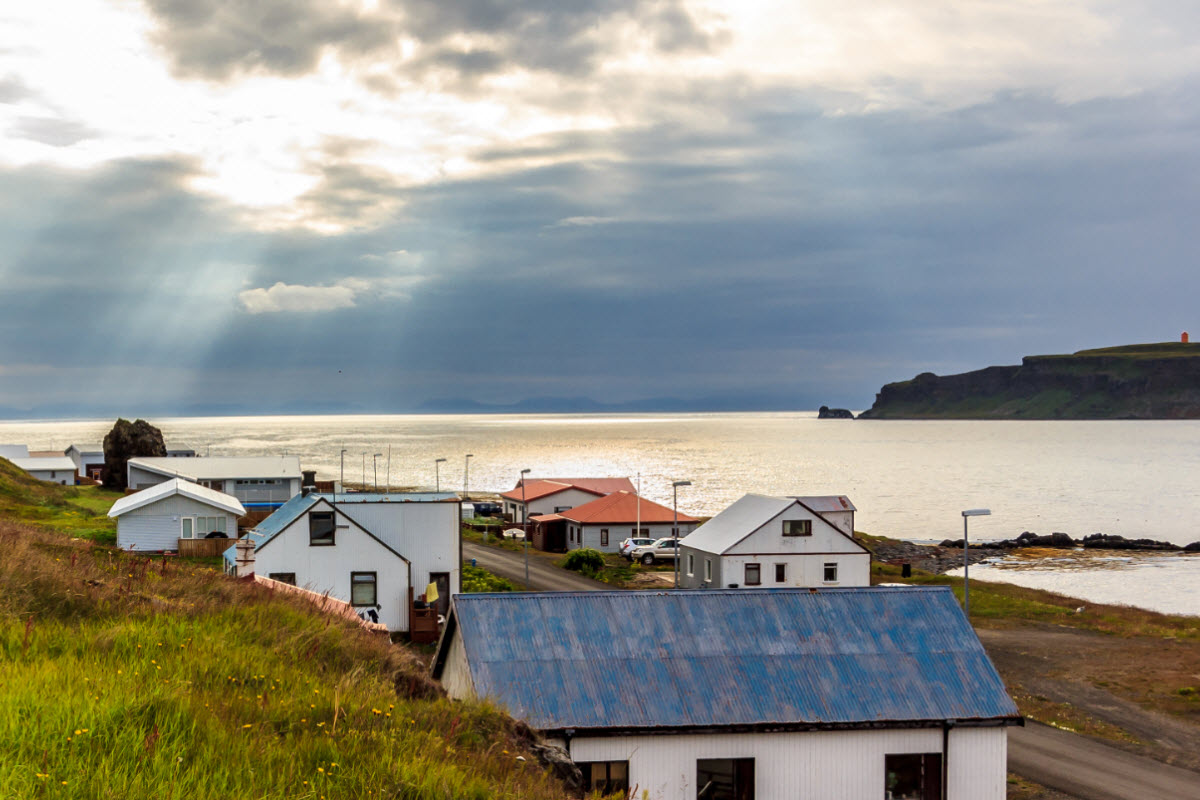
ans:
(740, 772)
(804, 525)
(758, 570)
(374, 583)
(604, 537)
(313, 540)
(780, 573)
(928, 778)
(825, 572)
(608, 784)
(283, 577)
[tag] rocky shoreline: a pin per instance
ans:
(948, 555)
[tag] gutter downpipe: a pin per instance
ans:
(946, 726)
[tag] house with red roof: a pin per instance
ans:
(534, 496)
(604, 522)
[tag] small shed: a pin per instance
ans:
(161, 517)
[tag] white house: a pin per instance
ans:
(158, 517)
(367, 549)
(772, 541)
(533, 497)
(55, 469)
(604, 522)
(259, 482)
(854, 694)
(87, 458)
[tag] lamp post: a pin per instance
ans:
(375, 466)
(466, 473)
(675, 529)
(437, 474)
(525, 526)
(970, 512)
(364, 481)
(343, 476)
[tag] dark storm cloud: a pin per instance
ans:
(51, 130)
(223, 39)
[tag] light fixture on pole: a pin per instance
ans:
(970, 512)
(466, 473)
(364, 480)
(675, 529)
(375, 466)
(437, 474)
(525, 526)
(343, 476)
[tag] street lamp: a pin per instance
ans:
(437, 473)
(343, 476)
(375, 466)
(525, 526)
(466, 473)
(970, 512)
(364, 481)
(675, 530)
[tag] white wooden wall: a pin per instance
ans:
(619, 533)
(157, 526)
(830, 765)
(427, 534)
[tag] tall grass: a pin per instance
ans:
(128, 677)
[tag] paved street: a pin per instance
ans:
(542, 577)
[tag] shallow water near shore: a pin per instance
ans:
(908, 479)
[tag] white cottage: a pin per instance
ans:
(854, 694)
(157, 518)
(53, 469)
(772, 542)
(376, 552)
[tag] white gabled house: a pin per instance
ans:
(53, 469)
(377, 552)
(854, 694)
(157, 518)
(87, 458)
(762, 541)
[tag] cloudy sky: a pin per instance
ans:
(367, 204)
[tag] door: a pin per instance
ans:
(187, 528)
(442, 581)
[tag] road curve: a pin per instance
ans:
(1056, 759)
(1089, 769)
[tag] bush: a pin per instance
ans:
(586, 560)
(477, 579)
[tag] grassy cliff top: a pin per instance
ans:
(1137, 351)
(123, 676)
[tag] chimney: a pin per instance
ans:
(309, 482)
(245, 557)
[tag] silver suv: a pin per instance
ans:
(662, 550)
(627, 546)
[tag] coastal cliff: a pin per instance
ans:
(1144, 381)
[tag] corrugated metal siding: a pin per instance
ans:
(571, 660)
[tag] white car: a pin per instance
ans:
(660, 550)
(626, 547)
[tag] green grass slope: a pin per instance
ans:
(128, 677)
(77, 511)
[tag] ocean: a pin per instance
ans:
(908, 479)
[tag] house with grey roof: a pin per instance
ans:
(380, 553)
(158, 518)
(259, 482)
(855, 694)
(54, 469)
(762, 541)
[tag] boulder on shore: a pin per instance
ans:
(825, 412)
(128, 440)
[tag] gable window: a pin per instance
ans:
(604, 537)
(780, 573)
(708, 570)
(753, 574)
(605, 777)
(691, 565)
(797, 527)
(831, 572)
(283, 577)
(725, 779)
(913, 776)
(320, 528)
(560, 509)
(363, 590)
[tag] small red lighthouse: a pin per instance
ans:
(1183, 337)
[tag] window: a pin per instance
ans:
(708, 570)
(675, 532)
(780, 573)
(283, 577)
(831, 572)
(753, 574)
(913, 776)
(363, 591)
(797, 527)
(605, 777)
(725, 779)
(643, 532)
(200, 527)
(320, 528)
(604, 537)
(691, 564)
(560, 509)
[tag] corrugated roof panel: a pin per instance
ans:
(717, 658)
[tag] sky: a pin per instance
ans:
(266, 205)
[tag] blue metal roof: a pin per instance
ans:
(711, 658)
(230, 554)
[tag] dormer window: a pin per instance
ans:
(797, 527)
(320, 529)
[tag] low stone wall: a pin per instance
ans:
(327, 604)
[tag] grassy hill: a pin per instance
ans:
(124, 676)
(77, 511)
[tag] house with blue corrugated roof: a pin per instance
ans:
(380, 553)
(854, 694)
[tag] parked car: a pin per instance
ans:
(661, 550)
(626, 547)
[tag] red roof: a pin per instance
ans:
(622, 507)
(544, 487)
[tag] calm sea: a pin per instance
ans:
(908, 479)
